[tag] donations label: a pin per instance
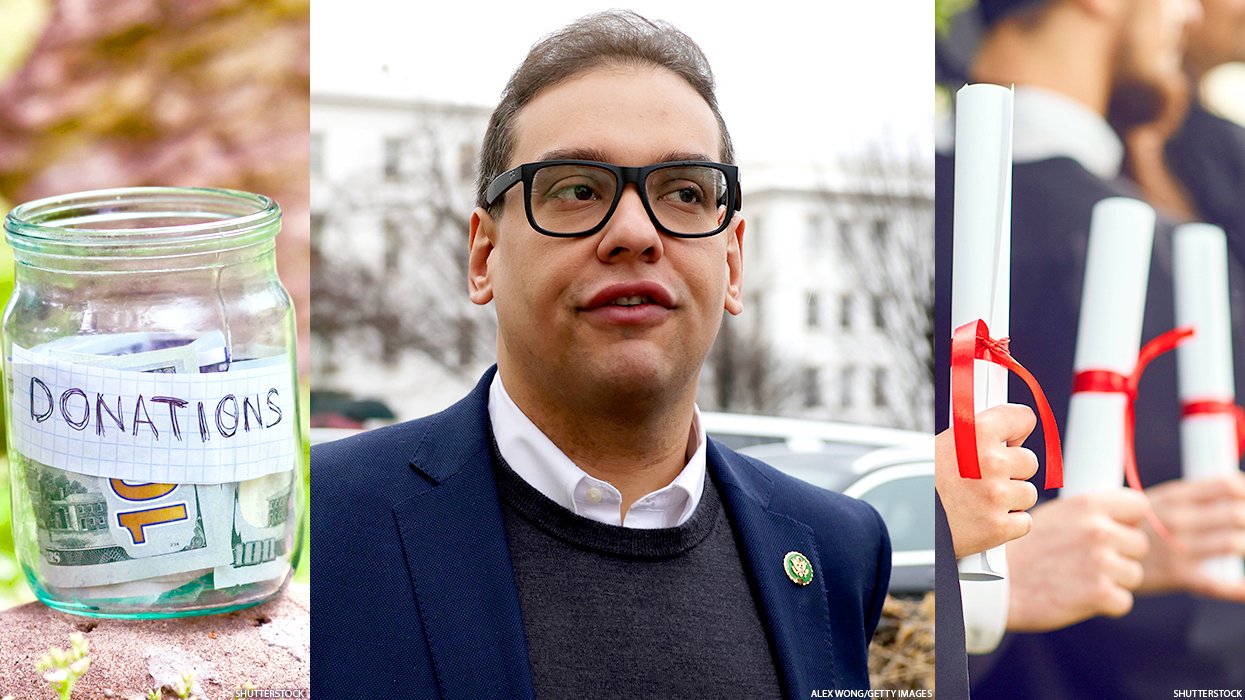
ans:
(154, 426)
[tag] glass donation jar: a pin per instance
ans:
(151, 409)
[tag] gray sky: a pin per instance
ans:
(795, 85)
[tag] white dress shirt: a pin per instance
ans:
(1045, 125)
(1048, 124)
(540, 463)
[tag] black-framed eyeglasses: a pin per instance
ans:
(569, 198)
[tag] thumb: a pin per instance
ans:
(1009, 423)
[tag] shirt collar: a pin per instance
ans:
(539, 462)
(1048, 124)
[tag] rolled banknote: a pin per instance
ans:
(259, 543)
(156, 353)
(87, 540)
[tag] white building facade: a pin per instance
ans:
(839, 274)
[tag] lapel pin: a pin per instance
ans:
(799, 569)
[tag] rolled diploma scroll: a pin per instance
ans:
(981, 252)
(1208, 442)
(1108, 337)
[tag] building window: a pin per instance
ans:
(393, 244)
(879, 312)
(845, 311)
(847, 377)
(316, 155)
(317, 228)
(879, 387)
(393, 158)
(466, 162)
(813, 319)
(816, 231)
(812, 387)
(881, 231)
(845, 234)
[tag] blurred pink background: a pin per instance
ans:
(116, 93)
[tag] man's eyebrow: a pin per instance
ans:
(683, 155)
(600, 156)
(574, 154)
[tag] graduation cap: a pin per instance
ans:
(992, 11)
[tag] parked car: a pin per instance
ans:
(319, 435)
(892, 470)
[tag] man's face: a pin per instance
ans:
(561, 328)
(1155, 35)
(1220, 37)
(1149, 76)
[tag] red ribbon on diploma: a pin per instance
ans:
(1108, 382)
(970, 342)
(1197, 408)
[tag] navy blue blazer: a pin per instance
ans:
(414, 590)
(1207, 155)
(950, 653)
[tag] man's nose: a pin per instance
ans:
(1189, 13)
(630, 233)
(1194, 14)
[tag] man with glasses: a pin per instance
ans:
(567, 530)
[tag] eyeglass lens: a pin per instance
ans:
(685, 199)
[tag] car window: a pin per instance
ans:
(830, 468)
(738, 442)
(907, 506)
(814, 471)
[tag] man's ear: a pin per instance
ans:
(480, 247)
(735, 266)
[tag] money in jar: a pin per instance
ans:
(151, 408)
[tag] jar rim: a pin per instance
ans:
(113, 217)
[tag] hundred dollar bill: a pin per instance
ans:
(129, 343)
(94, 531)
(139, 352)
(264, 525)
(262, 534)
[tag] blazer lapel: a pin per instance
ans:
(796, 617)
(468, 604)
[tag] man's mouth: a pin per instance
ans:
(632, 301)
(629, 294)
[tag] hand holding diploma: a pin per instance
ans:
(1117, 271)
(987, 512)
(1207, 516)
(980, 298)
(1083, 559)
(1210, 430)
